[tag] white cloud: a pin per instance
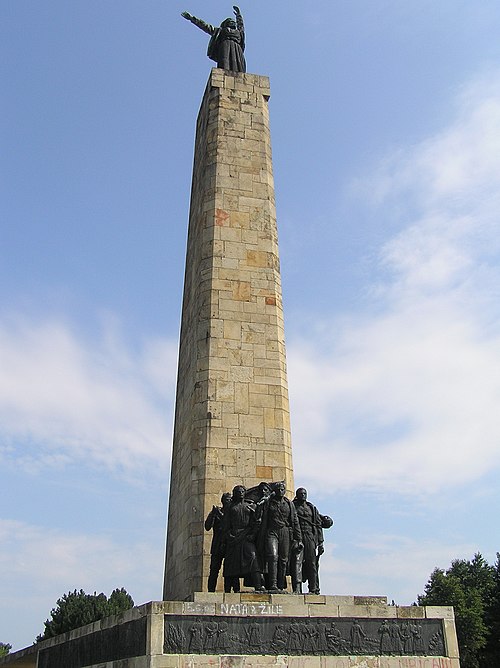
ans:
(62, 398)
(25, 547)
(452, 166)
(387, 565)
(39, 564)
(405, 397)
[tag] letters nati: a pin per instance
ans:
(250, 609)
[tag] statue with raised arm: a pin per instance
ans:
(227, 43)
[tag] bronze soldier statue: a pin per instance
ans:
(240, 526)
(306, 566)
(280, 536)
(214, 523)
(227, 43)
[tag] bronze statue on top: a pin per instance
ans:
(227, 43)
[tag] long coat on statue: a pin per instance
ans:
(240, 526)
(226, 47)
(292, 529)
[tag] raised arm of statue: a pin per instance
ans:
(206, 27)
(240, 25)
(239, 17)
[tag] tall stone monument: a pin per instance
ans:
(232, 420)
(231, 427)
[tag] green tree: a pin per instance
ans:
(469, 587)
(119, 601)
(4, 648)
(77, 608)
(492, 650)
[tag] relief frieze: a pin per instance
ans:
(255, 634)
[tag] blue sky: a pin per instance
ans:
(386, 141)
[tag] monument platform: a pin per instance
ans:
(249, 630)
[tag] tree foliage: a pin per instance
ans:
(76, 608)
(473, 589)
(4, 648)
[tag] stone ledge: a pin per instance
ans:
(308, 605)
(246, 604)
(228, 661)
(313, 599)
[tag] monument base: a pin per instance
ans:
(252, 630)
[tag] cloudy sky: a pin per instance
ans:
(386, 141)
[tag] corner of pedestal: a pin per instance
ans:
(239, 81)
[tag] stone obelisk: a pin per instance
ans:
(232, 421)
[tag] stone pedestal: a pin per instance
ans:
(254, 631)
(232, 422)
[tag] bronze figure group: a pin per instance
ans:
(260, 536)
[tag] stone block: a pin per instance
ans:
(224, 390)
(154, 638)
(370, 600)
(410, 611)
(246, 464)
(237, 250)
(167, 661)
(257, 258)
(207, 597)
(171, 608)
(264, 472)
(249, 237)
(327, 610)
(230, 421)
(251, 425)
(304, 662)
(241, 398)
(230, 234)
(252, 597)
(355, 611)
(262, 400)
(439, 612)
(315, 599)
(232, 661)
(193, 608)
(274, 436)
(450, 638)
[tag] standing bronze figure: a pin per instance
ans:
(312, 535)
(240, 526)
(280, 536)
(227, 43)
(214, 523)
